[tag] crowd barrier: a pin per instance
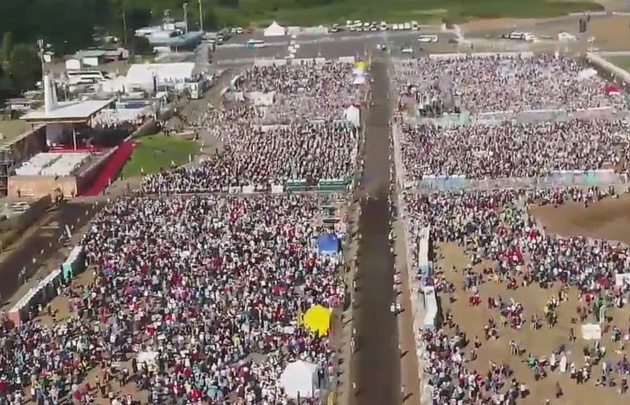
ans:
(300, 61)
(401, 173)
(47, 288)
(527, 116)
(562, 178)
(480, 55)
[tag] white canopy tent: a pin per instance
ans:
(353, 114)
(142, 75)
(275, 30)
(299, 379)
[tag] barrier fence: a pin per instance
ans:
(424, 305)
(557, 179)
(47, 288)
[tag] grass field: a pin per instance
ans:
(622, 62)
(157, 152)
(423, 11)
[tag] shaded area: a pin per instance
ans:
(376, 363)
(45, 244)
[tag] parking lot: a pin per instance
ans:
(330, 46)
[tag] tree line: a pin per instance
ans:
(69, 25)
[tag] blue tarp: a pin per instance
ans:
(328, 244)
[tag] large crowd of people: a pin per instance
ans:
(264, 156)
(313, 91)
(307, 141)
(504, 83)
(496, 226)
(513, 149)
(194, 299)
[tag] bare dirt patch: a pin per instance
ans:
(606, 219)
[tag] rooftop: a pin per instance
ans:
(73, 110)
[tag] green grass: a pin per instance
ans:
(622, 62)
(291, 12)
(157, 152)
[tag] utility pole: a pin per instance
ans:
(185, 7)
(200, 17)
(124, 18)
(40, 48)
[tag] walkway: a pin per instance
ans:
(376, 363)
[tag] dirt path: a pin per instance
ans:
(376, 362)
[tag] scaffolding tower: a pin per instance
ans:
(6, 168)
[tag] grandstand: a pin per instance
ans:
(53, 164)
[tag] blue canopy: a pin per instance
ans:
(328, 244)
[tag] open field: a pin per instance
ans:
(158, 152)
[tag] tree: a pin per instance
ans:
(7, 45)
(141, 46)
(24, 67)
(210, 20)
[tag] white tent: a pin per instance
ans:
(299, 379)
(353, 114)
(275, 30)
(141, 75)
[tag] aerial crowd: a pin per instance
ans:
(513, 149)
(311, 144)
(196, 295)
(203, 292)
(502, 242)
(312, 91)
(513, 82)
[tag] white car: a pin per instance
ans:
(428, 39)
(408, 50)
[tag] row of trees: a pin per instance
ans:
(70, 25)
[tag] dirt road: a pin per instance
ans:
(42, 246)
(376, 362)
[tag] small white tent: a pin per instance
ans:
(299, 379)
(353, 114)
(275, 30)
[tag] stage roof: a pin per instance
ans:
(73, 111)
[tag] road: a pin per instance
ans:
(44, 245)
(376, 362)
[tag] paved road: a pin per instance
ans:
(376, 363)
(42, 246)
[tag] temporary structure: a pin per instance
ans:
(353, 114)
(275, 30)
(299, 379)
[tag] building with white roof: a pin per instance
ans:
(148, 76)
(66, 112)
